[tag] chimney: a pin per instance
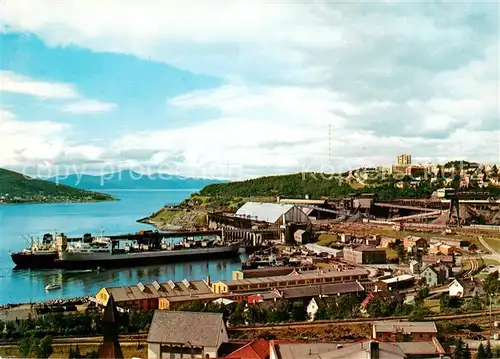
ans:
(209, 282)
(374, 350)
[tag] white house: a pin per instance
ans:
(414, 267)
(186, 334)
(312, 308)
(465, 288)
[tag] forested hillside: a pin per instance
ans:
(17, 188)
(315, 185)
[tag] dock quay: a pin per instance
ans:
(174, 234)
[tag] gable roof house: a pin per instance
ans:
(190, 334)
(463, 288)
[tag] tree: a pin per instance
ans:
(45, 349)
(298, 313)
(481, 352)
(75, 353)
(491, 284)
(494, 171)
(466, 354)
(489, 352)
(459, 349)
(26, 346)
(401, 252)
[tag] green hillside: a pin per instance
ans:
(316, 185)
(17, 188)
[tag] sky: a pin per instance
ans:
(242, 88)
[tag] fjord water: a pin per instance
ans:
(75, 219)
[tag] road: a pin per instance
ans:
(495, 255)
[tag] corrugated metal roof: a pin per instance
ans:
(406, 327)
(321, 249)
(300, 276)
(266, 212)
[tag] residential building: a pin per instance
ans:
(435, 275)
(381, 295)
(345, 238)
(298, 279)
(392, 331)
(302, 236)
(440, 248)
(272, 295)
(176, 334)
(395, 283)
(415, 267)
(388, 242)
(367, 349)
(463, 288)
(418, 242)
(365, 255)
(429, 259)
(256, 349)
(403, 160)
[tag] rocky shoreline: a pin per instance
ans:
(54, 302)
(176, 219)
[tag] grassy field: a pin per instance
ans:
(62, 350)
(391, 253)
(326, 239)
(493, 242)
(488, 262)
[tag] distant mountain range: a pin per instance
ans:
(128, 179)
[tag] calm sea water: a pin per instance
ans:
(75, 219)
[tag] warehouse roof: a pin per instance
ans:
(299, 276)
(322, 289)
(400, 278)
(199, 329)
(406, 327)
(158, 290)
(321, 249)
(266, 212)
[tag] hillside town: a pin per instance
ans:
(345, 277)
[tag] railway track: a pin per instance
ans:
(141, 338)
(327, 323)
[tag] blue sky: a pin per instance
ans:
(245, 88)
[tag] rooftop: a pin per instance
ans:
(324, 289)
(299, 276)
(266, 212)
(406, 327)
(331, 351)
(256, 349)
(199, 329)
(321, 249)
(399, 278)
(169, 289)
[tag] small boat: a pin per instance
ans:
(52, 287)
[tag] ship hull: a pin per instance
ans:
(107, 260)
(34, 261)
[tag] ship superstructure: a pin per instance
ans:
(148, 248)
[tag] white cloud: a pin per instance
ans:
(11, 82)
(293, 68)
(88, 106)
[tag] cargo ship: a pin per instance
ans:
(40, 254)
(104, 252)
